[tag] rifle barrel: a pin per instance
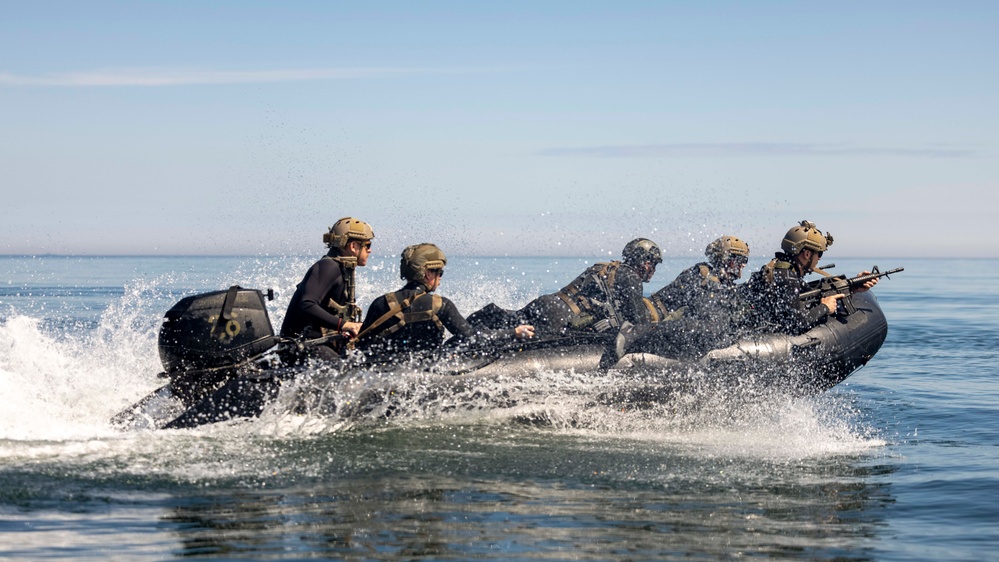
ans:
(860, 279)
(834, 285)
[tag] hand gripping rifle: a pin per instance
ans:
(841, 285)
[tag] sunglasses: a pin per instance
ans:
(437, 272)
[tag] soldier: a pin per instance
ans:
(414, 318)
(600, 299)
(774, 289)
(707, 290)
(603, 297)
(323, 303)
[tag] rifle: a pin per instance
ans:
(841, 285)
(353, 312)
(349, 311)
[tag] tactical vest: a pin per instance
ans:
(417, 308)
(782, 265)
(776, 265)
(662, 313)
(579, 297)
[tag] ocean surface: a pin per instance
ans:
(900, 462)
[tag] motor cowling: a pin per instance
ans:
(215, 329)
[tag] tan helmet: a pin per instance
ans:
(345, 230)
(719, 251)
(805, 236)
(417, 259)
(641, 250)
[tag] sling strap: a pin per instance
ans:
(653, 312)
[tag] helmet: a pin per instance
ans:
(641, 250)
(417, 259)
(725, 247)
(345, 230)
(805, 236)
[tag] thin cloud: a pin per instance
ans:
(725, 150)
(186, 77)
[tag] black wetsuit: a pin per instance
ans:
(307, 312)
(698, 311)
(704, 295)
(776, 306)
(418, 323)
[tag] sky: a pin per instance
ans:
(503, 128)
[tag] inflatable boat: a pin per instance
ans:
(222, 361)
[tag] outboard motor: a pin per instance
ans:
(213, 330)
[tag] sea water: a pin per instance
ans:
(897, 463)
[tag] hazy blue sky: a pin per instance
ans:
(554, 128)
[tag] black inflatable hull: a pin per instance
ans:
(810, 363)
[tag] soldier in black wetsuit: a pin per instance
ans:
(600, 299)
(414, 319)
(707, 290)
(323, 303)
(773, 290)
